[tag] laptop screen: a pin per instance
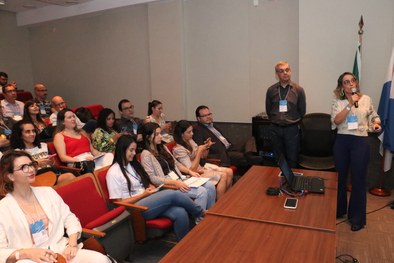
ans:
(286, 170)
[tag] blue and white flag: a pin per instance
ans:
(386, 113)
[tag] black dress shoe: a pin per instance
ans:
(356, 227)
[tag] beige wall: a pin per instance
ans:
(95, 59)
(14, 51)
(215, 52)
(328, 39)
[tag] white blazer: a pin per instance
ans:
(14, 228)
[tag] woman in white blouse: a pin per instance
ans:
(353, 115)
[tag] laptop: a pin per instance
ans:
(300, 183)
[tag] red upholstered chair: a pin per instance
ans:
(59, 164)
(21, 96)
(94, 109)
(143, 229)
(111, 227)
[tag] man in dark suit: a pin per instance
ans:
(222, 148)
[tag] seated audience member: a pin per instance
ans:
(44, 105)
(3, 80)
(221, 147)
(160, 165)
(35, 223)
(128, 123)
(156, 115)
(73, 144)
(105, 136)
(24, 137)
(86, 117)
(127, 181)
(189, 154)
(12, 108)
(59, 104)
(31, 112)
(5, 131)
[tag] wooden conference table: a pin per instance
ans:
(246, 225)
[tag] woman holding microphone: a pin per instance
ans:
(353, 115)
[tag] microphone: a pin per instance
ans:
(354, 91)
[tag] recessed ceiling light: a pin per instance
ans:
(2, 2)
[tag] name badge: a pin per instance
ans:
(352, 123)
(173, 175)
(7, 131)
(135, 128)
(42, 110)
(39, 232)
(283, 106)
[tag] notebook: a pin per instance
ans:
(300, 183)
(191, 181)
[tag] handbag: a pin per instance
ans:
(85, 166)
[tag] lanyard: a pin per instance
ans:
(280, 97)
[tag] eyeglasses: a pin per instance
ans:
(206, 115)
(128, 108)
(42, 90)
(10, 91)
(347, 82)
(283, 70)
(25, 167)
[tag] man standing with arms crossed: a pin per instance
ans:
(285, 105)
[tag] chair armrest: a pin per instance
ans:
(133, 206)
(91, 232)
(71, 169)
(214, 161)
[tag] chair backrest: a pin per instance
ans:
(52, 150)
(84, 199)
(45, 179)
(317, 135)
(101, 175)
(21, 96)
(94, 109)
(170, 146)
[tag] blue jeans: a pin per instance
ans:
(173, 205)
(204, 196)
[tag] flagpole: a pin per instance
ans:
(379, 190)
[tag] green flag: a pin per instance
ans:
(357, 62)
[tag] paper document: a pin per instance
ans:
(196, 181)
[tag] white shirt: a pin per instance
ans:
(13, 110)
(117, 183)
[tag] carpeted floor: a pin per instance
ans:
(374, 243)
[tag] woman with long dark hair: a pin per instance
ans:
(24, 137)
(156, 115)
(127, 181)
(31, 112)
(162, 167)
(189, 154)
(106, 134)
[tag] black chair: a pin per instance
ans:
(317, 140)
